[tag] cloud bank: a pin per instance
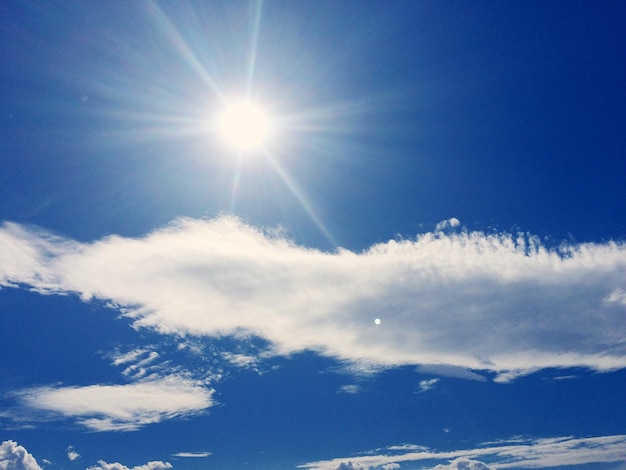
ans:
(517, 453)
(493, 302)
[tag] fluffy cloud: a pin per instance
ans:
(447, 224)
(155, 465)
(72, 454)
(470, 300)
(464, 464)
(122, 407)
(518, 453)
(16, 457)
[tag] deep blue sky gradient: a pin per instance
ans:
(509, 116)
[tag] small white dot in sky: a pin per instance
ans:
(377, 321)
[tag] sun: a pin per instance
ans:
(244, 126)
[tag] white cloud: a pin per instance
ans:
(351, 388)
(192, 455)
(426, 385)
(15, 457)
(405, 447)
(464, 464)
(561, 451)
(348, 466)
(617, 296)
(72, 454)
(453, 222)
(518, 453)
(155, 465)
(470, 300)
(241, 360)
(122, 407)
(138, 362)
(450, 371)
(132, 356)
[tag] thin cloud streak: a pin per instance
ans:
(493, 302)
(192, 455)
(531, 453)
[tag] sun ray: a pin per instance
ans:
(300, 196)
(185, 51)
(235, 188)
(258, 9)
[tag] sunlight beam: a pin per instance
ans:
(258, 8)
(235, 188)
(300, 196)
(179, 43)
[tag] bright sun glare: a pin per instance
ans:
(244, 126)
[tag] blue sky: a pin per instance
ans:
(421, 266)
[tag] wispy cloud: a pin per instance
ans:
(450, 371)
(494, 302)
(15, 457)
(137, 362)
(518, 453)
(122, 407)
(351, 388)
(617, 296)
(241, 360)
(429, 384)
